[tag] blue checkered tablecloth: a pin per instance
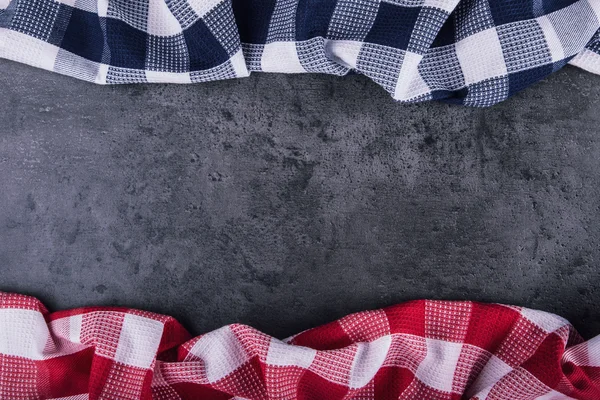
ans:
(473, 52)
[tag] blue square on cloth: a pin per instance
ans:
(252, 18)
(543, 7)
(221, 22)
(61, 22)
(133, 12)
(524, 45)
(204, 49)
(380, 63)
(427, 28)
(84, 36)
(314, 60)
(449, 96)
(471, 17)
(127, 45)
(167, 53)
(520, 80)
(441, 69)
(594, 44)
(223, 71)
(352, 20)
(487, 92)
(447, 34)
(313, 18)
(183, 12)
(507, 11)
(35, 17)
(117, 75)
(393, 26)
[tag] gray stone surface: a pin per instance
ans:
(287, 201)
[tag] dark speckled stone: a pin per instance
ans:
(287, 201)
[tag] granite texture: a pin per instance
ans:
(287, 201)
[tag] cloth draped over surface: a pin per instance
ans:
(435, 350)
(472, 52)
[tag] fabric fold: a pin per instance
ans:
(416, 350)
(472, 52)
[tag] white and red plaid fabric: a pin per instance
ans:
(434, 350)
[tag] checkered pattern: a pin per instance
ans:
(434, 350)
(472, 52)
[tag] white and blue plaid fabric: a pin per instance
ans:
(472, 52)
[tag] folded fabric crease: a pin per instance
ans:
(436, 350)
(473, 52)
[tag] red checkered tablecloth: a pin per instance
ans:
(434, 350)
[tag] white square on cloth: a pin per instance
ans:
(286, 355)
(491, 373)
(480, 56)
(138, 341)
(203, 7)
(161, 21)
(281, 57)
(221, 351)
(437, 370)
(368, 361)
(170, 77)
(24, 333)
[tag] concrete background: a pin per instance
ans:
(287, 201)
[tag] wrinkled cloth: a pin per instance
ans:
(434, 350)
(472, 52)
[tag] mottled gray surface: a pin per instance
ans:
(287, 201)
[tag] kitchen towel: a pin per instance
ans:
(472, 52)
(434, 350)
